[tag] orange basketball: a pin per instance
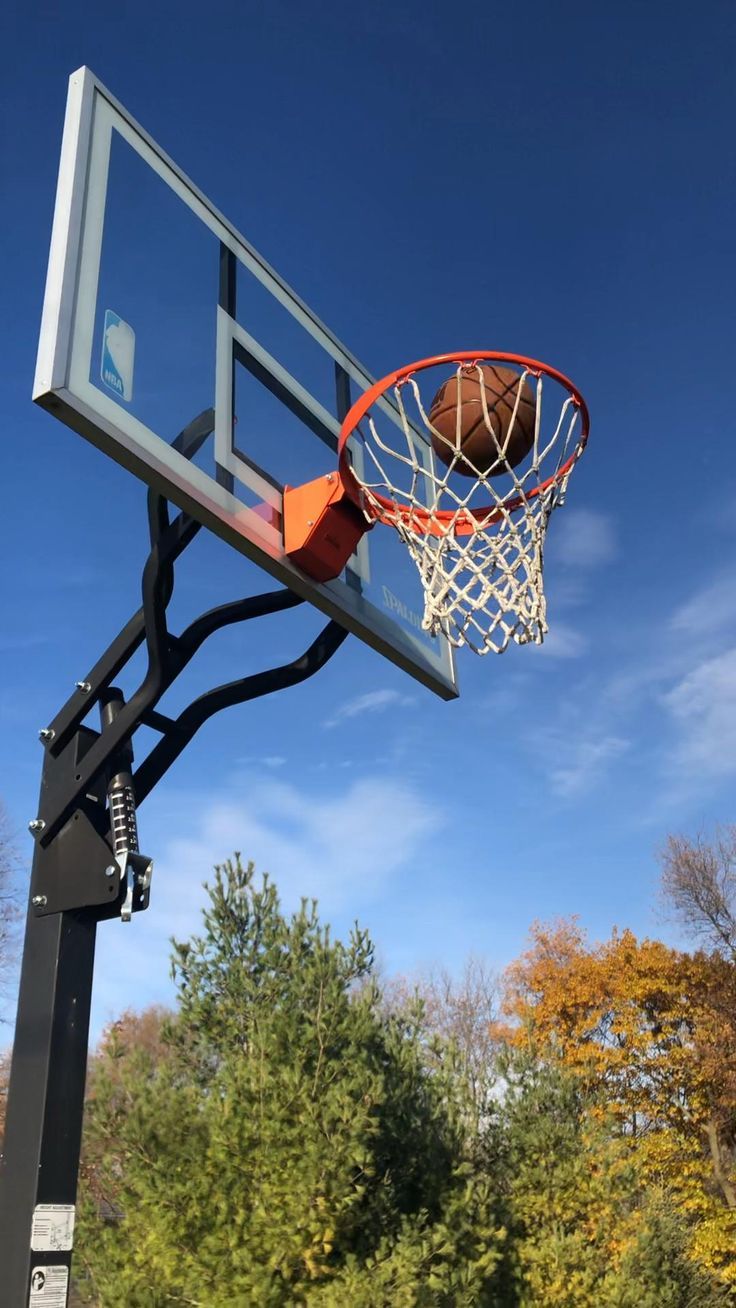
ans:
(478, 452)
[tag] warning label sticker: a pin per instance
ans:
(53, 1227)
(49, 1287)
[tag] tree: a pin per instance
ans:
(461, 1012)
(286, 1144)
(4, 1082)
(583, 1230)
(9, 913)
(132, 1047)
(656, 1271)
(699, 881)
(645, 1025)
(558, 1183)
(9, 916)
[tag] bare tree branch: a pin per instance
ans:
(463, 1011)
(9, 920)
(699, 882)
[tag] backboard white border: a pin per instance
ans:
(62, 381)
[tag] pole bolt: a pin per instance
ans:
(84, 686)
(46, 734)
(39, 901)
(110, 870)
(36, 824)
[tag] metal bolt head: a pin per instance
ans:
(110, 870)
(84, 686)
(36, 824)
(38, 901)
(46, 734)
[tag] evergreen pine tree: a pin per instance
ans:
(289, 1146)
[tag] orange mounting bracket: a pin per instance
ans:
(322, 526)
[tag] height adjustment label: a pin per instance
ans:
(53, 1228)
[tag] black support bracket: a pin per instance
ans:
(70, 790)
(87, 867)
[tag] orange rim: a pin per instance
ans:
(421, 520)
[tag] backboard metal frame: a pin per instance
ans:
(62, 383)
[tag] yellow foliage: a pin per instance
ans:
(714, 1245)
(654, 1029)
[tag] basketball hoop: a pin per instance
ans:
(476, 534)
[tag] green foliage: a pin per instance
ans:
(583, 1229)
(560, 1173)
(286, 1143)
(287, 1137)
(656, 1271)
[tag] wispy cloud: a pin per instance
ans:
(582, 539)
(563, 642)
(581, 762)
(686, 665)
(580, 542)
(671, 692)
(56, 577)
(16, 644)
(343, 848)
(374, 701)
(703, 707)
(710, 611)
(322, 845)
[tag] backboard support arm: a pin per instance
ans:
(77, 877)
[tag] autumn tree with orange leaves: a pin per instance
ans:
(652, 1032)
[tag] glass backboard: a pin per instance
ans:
(157, 309)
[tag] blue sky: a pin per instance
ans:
(557, 182)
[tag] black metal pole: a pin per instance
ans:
(43, 1127)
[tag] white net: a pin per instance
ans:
(475, 535)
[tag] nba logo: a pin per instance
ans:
(118, 353)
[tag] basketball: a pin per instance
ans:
(479, 451)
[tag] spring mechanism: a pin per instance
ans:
(123, 825)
